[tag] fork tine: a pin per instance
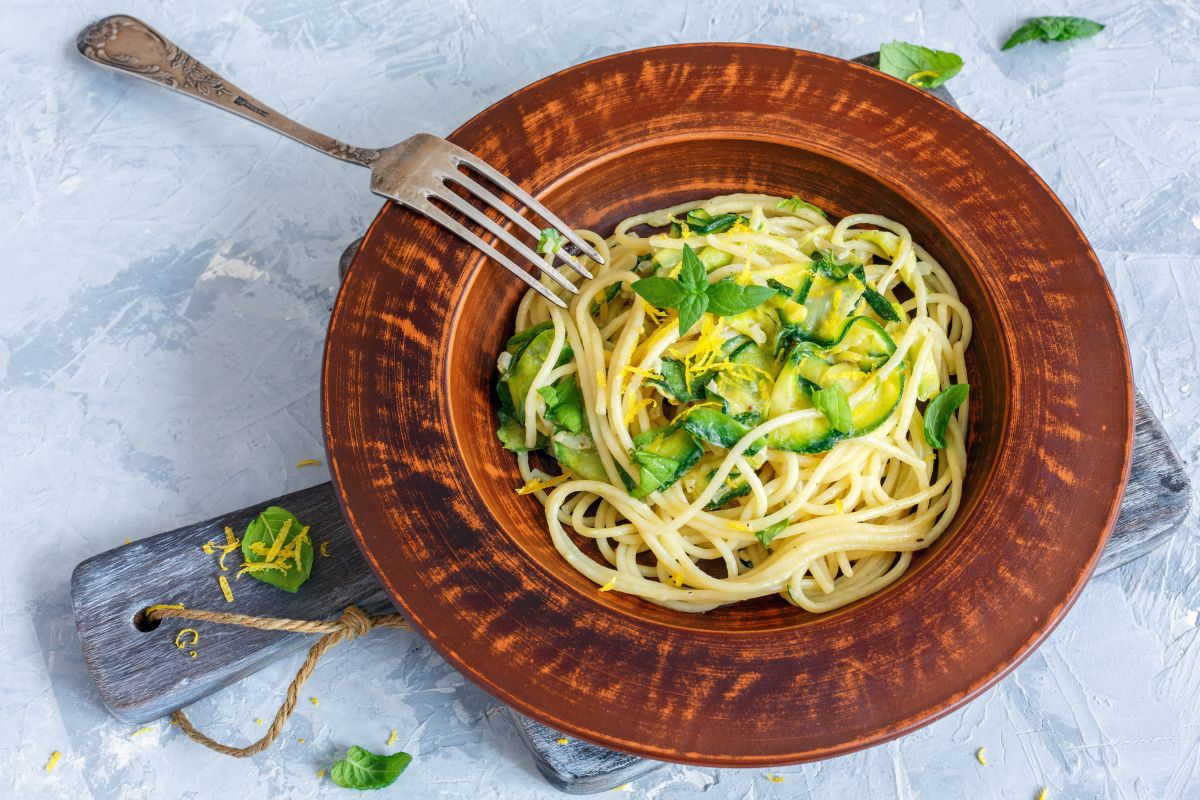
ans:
(483, 194)
(479, 218)
(498, 178)
(449, 223)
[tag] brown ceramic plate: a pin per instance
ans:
(409, 414)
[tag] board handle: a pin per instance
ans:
(139, 671)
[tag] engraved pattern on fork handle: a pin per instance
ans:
(131, 46)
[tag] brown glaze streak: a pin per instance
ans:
(409, 414)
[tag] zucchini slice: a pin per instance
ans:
(863, 342)
(663, 456)
(577, 452)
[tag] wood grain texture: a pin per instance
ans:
(428, 491)
(142, 675)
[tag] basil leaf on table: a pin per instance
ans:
(1052, 29)
(767, 535)
(362, 769)
(833, 404)
(284, 554)
(937, 413)
(727, 297)
(920, 66)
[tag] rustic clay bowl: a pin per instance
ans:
(409, 414)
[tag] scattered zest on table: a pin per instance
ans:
(308, 462)
(774, 778)
(1052, 29)
(362, 769)
(920, 66)
(181, 640)
(980, 757)
(53, 762)
(276, 549)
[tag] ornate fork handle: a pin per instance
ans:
(130, 45)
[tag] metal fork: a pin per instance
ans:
(413, 173)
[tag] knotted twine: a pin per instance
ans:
(353, 622)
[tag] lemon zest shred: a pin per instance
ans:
(53, 762)
(314, 701)
(774, 778)
(208, 548)
(308, 462)
(537, 484)
(624, 787)
(225, 590)
(300, 740)
(258, 721)
(745, 278)
(676, 579)
(980, 757)
(562, 740)
(645, 402)
(600, 379)
(321, 773)
(151, 609)
(278, 541)
(140, 731)
(608, 587)
(734, 525)
(1044, 794)
(391, 740)
(325, 549)
(180, 636)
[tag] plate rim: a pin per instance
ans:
(519, 702)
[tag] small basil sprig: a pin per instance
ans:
(833, 404)
(362, 769)
(920, 66)
(767, 535)
(1052, 29)
(550, 241)
(291, 564)
(691, 293)
(564, 407)
(794, 204)
(937, 413)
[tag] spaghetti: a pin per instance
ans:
(803, 434)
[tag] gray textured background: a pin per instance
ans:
(167, 277)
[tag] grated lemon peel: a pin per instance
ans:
(53, 762)
(308, 462)
(537, 484)
(980, 757)
(608, 587)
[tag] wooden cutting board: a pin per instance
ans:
(140, 675)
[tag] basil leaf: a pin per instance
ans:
(550, 241)
(937, 413)
(1052, 29)
(691, 310)
(660, 292)
(727, 297)
(920, 66)
(693, 275)
(564, 407)
(767, 535)
(794, 204)
(264, 529)
(362, 769)
(833, 404)
(655, 471)
(881, 305)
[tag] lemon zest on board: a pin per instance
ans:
(151, 609)
(325, 549)
(562, 740)
(127, 541)
(225, 590)
(980, 757)
(609, 586)
(537, 484)
(53, 762)
(182, 644)
(308, 462)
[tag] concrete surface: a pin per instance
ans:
(168, 272)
